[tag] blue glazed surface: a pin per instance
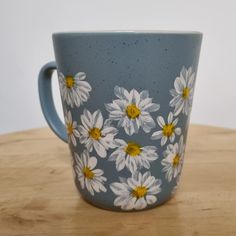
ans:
(140, 61)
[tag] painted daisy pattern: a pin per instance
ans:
(74, 90)
(183, 92)
(173, 160)
(168, 129)
(132, 110)
(90, 178)
(132, 155)
(136, 192)
(113, 137)
(95, 133)
(71, 128)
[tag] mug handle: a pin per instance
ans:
(46, 101)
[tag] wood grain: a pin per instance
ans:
(38, 196)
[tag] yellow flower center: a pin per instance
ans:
(132, 111)
(168, 130)
(88, 173)
(69, 81)
(95, 133)
(176, 160)
(139, 192)
(70, 128)
(185, 93)
(133, 149)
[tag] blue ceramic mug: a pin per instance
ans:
(127, 98)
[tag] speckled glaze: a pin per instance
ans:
(127, 152)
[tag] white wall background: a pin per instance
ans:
(25, 45)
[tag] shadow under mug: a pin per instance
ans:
(127, 98)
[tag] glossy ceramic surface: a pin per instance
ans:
(127, 99)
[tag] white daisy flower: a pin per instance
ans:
(88, 176)
(136, 192)
(183, 92)
(168, 130)
(173, 160)
(71, 128)
(132, 110)
(95, 134)
(74, 90)
(132, 155)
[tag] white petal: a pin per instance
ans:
(69, 116)
(131, 164)
(179, 107)
(140, 204)
(191, 81)
(151, 107)
(132, 183)
(121, 200)
(120, 163)
(80, 76)
(86, 120)
(120, 142)
(76, 133)
(130, 204)
(98, 119)
(100, 186)
(110, 130)
(121, 93)
(147, 123)
(118, 188)
(92, 162)
(183, 72)
(170, 118)
(135, 97)
(111, 107)
(144, 94)
(157, 135)
(175, 100)
(101, 151)
(163, 140)
(179, 84)
(98, 172)
(173, 93)
(72, 137)
(129, 129)
(175, 121)
(146, 175)
(135, 124)
(84, 87)
(149, 181)
(95, 186)
(151, 199)
(178, 131)
(161, 121)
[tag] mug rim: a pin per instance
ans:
(128, 32)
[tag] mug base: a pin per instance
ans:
(116, 209)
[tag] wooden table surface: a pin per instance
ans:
(38, 196)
